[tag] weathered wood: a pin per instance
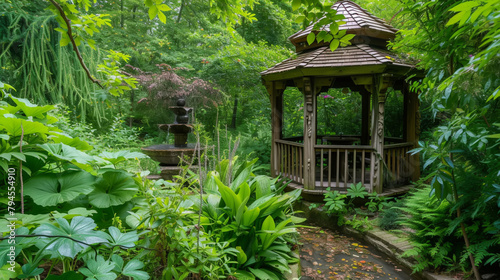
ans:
(329, 168)
(354, 168)
(379, 89)
(362, 80)
(309, 133)
(346, 168)
(337, 177)
(321, 166)
(363, 167)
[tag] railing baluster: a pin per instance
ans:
(295, 165)
(363, 167)
(280, 154)
(346, 168)
(321, 168)
(354, 168)
(289, 161)
(394, 152)
(399, 158)
(329, 168)
(301, 167)
(337, 179)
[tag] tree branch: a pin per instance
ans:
(75, 48)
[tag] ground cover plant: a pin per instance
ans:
(343, 207)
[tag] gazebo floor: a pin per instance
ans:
(317, 195)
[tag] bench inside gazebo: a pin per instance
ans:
(317, 162)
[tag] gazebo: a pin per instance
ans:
(316, 162)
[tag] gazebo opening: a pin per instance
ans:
(293, 115)
(345, 117)
(339, 113)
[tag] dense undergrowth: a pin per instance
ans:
(96, 221)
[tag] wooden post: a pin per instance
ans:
(275, 90)
(379, 88)
(309, 134)
(412, 131)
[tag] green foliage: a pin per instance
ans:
(454, 42)
(59, 174)
(391, 215)
(433, 246)
(165, 213)
(251, 214)
(293, 114)
(235, 69)
(343, 205)
(324, 18)
(273, 24)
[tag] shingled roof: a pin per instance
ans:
(366, 60)
(358, 21)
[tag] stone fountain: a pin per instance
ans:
(169, 155)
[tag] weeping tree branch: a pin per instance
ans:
(73, 43)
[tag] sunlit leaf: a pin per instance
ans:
(310, 38)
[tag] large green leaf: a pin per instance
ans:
(230, 198)
(52, 189)
(30, 109)
(113, 188)
(81, 145)
(132, 269)
(99, 269)
(13, 126)
(262, 186)
(264, 274)
(122, 239)
(81, 229)
(65, 152)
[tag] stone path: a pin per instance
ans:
(329, 255)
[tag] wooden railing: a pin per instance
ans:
(398, 168)
(290, 159)
(341, 166)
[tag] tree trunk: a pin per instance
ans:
(121, 14)
(235, 110)
(133, 12)
(180, 12)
